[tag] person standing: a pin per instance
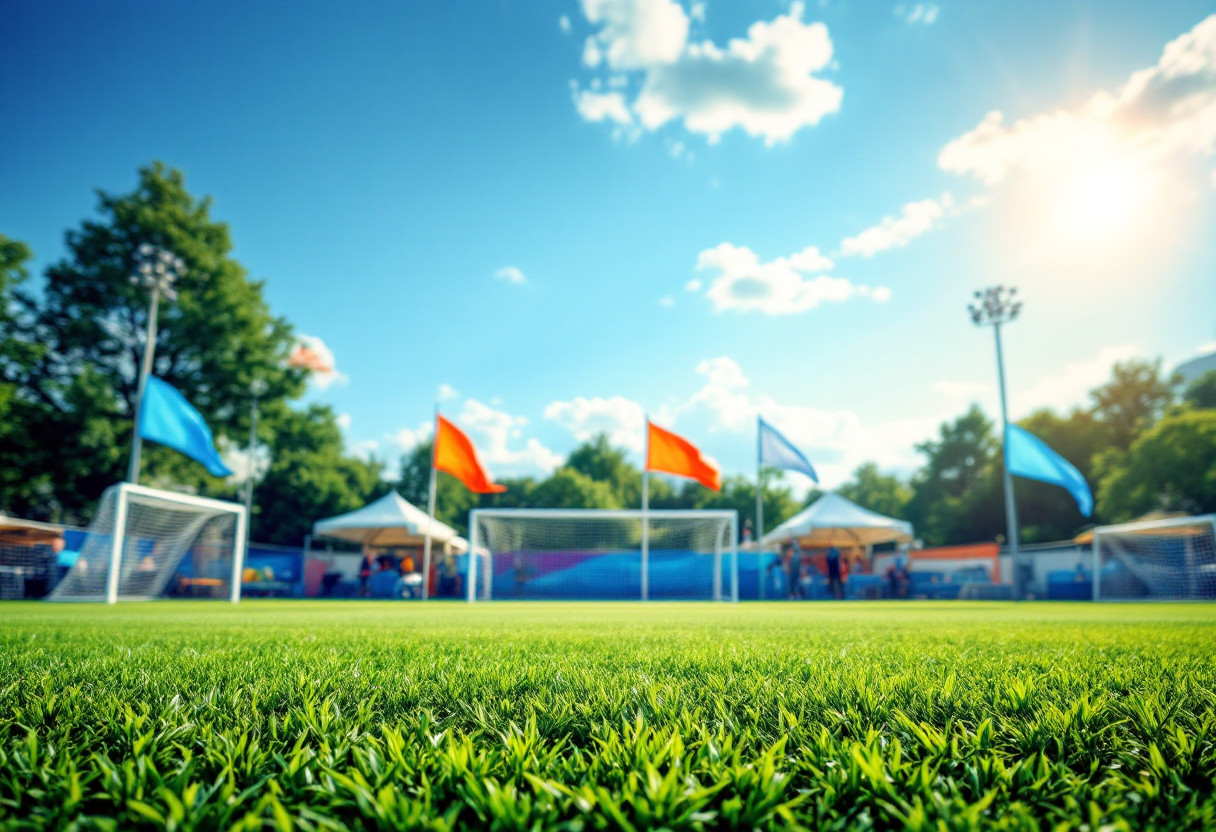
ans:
(835, 585)
(365, 575)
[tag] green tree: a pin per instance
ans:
(1201, 393)
(310, 477)
(952, 495)
(739, 493)
(1135, 397)
(1171, 466)
(23, 479)
(601, 462)
(569, 488)
(88, 324)
(872, 489)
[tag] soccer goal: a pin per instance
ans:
(1168, 560)
(602, 555)
(144, 543)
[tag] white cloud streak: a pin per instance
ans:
(510, 274)
(783, 286)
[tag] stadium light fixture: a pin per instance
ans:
(995, 307)
(157, 270)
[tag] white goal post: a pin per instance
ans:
(602, 554)
(141, 536)
(1166, 560)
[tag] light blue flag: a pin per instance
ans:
(779, 452)
(166, 417)
(1028, 456)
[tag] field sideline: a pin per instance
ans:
(320, 715)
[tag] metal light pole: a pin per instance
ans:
(993, 307)
(257, 389)
(158, 270)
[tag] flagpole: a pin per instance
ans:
(759, 508)
(430, 513)
(646, 513)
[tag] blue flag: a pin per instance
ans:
(1028, 456)
(166, 417)
(779, 452)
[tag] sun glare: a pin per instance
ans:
(1102, 198)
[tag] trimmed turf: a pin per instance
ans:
(621, 716)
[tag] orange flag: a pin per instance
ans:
(454, 453)
(673, 454)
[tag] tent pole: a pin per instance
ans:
(430, 513)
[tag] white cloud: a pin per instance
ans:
(667, 302)
(312, 354)
(407, 439)
(693, 285)
(923, 13)
(446, 392)
(510, 274)
(495, 431)
(915, 219)
(836, 441)
(1071, 387)
(343, 421)
(763, 84)
(366, 449)
(778, 287)
(1206, 349)
(636, 33)
(961, 390)
(621, 419)
(563, 23)
(1165, 110)
(603, 106)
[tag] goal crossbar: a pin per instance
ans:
(726, 544)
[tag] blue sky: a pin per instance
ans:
(556, 216)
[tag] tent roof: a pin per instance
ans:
(15, 531)
(389, 521)
(833, 520)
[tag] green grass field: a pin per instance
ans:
(594, 716)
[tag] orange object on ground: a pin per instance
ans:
(671, 454)
(455, 453)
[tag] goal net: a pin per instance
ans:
(1156, 560)
(144, 543)
(602, 555)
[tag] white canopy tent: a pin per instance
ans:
(834, 521)
(391, 521)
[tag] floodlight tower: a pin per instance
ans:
(257, 390)
(158, 270)
(995, 306)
